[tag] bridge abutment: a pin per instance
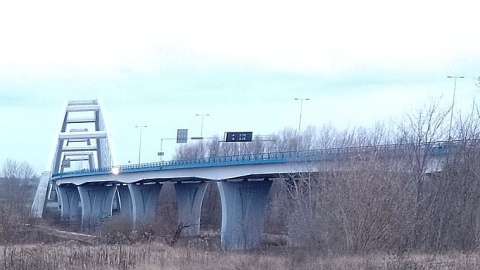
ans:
(69, 198)
(190, 198)
(243, 211)
(96, 203)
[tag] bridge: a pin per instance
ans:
(243, 181)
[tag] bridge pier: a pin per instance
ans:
(190, 198)
(125, 201)
(96, 202)
(144, 199)
(68, 197)
(243, 209)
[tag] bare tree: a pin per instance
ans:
(455, 222)
(355, 205)
(15, 195)
(191, 151)
(418, 133)
(14, 170)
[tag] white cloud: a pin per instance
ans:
(101, 36)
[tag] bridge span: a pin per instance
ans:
(243, 181)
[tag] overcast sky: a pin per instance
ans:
(159, 63)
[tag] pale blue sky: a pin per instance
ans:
(159, 63)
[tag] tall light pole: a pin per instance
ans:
(301, 111)
(202, 115)
(453, 103)
(140, 143)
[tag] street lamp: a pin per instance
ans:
(453, 103)
(301, 110)
(201, 127)
(140, 142)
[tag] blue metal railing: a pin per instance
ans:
(435, 148)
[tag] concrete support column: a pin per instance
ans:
(68, 198)
(126, 206)
(96, 203)
(243, 209)
(144, 201)
(190, 198)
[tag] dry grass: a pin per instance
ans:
(151, 256)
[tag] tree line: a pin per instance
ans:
(372, 202)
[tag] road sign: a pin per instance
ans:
(238, 136)
(182, 135)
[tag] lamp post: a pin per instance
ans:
(140, 143)
(202, 115)
(301, 111)
(453, 102)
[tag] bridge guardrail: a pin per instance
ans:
(433, 148)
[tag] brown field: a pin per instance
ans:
(72, 255)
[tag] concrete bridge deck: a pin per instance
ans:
(233, 167)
